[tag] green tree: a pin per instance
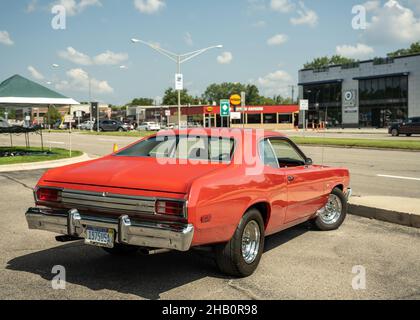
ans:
(326, 61)
(216, 92)
(11, 113)
(413, 49)
(52, 115)
(171, 97)
(142, 102)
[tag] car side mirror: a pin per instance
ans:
(309, 162)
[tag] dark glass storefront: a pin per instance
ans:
(383, 100)
(324, 103)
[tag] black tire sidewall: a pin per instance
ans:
(246, 269)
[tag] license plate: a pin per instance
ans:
(101, 237)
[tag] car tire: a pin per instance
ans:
(230, 256)
(101, 130)
(334, 213)
(120, 130)
(121, 250)
(408, 134)
(395, 133)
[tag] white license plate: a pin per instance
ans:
(101, 237)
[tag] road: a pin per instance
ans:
(374, 172)
(298, 264)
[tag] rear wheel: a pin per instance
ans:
(408, 134)
(121, 250)
(395, 133)
(332, 216)
(241, 256)
(120, 130)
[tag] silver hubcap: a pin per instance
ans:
(251, 242)
(332, 211)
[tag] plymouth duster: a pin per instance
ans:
(226, 189)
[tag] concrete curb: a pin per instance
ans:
(401, 218)
(44, 164)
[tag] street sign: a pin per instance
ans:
(235, 100)
(304, 105)
(68, 119)
(179, 82)
(235, 116)
(168, 113)
(224, 108)
(79, 114)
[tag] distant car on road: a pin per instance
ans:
(110, 125)
(408, 128)
(87, 125)
(149, 126)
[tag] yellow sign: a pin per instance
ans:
(210, 109)
(235, 100)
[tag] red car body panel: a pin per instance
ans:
(218, 195)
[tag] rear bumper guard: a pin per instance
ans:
(128, 232)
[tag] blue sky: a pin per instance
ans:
(265, 42)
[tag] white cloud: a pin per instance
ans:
(275, 83)
(79, 81)
(256, 5)
(359, 51)
(110, 58)
(31, 6)
(225, 58)
(106, 58)
(35, 73)
(74, 7)
(188, 39)
(259, 24)
(393, 23)
(277, 40)
(306, 16)
(75, 56)
(149, 6)
(283, 6)
(372, 5)
(5, 38)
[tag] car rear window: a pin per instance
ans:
(214, 149)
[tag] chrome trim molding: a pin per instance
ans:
(141, 234)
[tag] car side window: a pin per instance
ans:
(267, 154)
(286, 154)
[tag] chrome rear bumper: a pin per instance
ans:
(74, 224)
(349, 193)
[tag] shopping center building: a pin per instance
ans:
(281, 117)
(369, 93)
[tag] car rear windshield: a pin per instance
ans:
(214, 149)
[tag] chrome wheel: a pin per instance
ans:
(251, 239)
(331, 213)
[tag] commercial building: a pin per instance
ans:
(369, 93)
(281, 117)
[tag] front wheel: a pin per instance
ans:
(241, 256)
(332, 216)
(408, 134)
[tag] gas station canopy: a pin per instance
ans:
(18, 90)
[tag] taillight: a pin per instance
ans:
(48, 195)
(172, 208)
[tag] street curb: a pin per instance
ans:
(44, 164)
(401, 218)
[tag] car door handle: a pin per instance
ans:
(290, 178)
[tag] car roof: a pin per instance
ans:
(223, 132)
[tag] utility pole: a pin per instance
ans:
(293, 92)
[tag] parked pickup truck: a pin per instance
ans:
(178, 190)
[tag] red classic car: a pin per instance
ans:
(176, 190)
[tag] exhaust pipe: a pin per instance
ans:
(151, 252)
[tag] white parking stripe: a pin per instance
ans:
(107, 140)
(398, 177)
(55, 142)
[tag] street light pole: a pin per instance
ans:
(178, 59)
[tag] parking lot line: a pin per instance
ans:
(398, 177)
(55, 142)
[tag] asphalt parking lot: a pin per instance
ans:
(298, 264)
